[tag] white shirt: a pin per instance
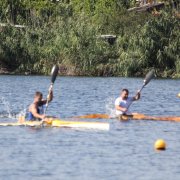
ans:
(123, 103)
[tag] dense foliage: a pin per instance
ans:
(68, 32)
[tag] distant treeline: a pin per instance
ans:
(68, 33)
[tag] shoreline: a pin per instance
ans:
(159, 76)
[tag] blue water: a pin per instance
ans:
(124, 152)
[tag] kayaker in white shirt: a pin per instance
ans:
(123, 101)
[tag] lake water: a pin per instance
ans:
(124, 152)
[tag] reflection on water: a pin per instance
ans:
(124, 152)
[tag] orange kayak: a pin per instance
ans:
(135, 116)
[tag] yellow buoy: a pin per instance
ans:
(178, 95)
(160, 144)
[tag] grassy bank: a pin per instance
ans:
(68, 33)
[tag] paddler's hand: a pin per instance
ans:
(50, 94)
(42, 116)
(124, 110)
(138, 95)
(50, 89)
(47, 120)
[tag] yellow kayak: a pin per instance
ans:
(26, 123)
(61, 123)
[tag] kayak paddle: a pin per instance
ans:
(54, 73)
(147, 79)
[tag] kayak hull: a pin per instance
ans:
(153, 118)
(61, 123)
(134, 116)
(81, 124)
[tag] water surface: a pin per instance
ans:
(124, 152)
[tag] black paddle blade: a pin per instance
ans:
(149, 76)
(54, 73)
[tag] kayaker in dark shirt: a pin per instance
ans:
(35, 111)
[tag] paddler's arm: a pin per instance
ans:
(120, 108)
(49, 98)
(33, 110)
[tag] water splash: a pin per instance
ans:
(7, 112)
(7, 108)
(22, 113)
(109, 106)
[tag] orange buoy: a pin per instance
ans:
(160, 144)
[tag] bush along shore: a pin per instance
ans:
(35, 35)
